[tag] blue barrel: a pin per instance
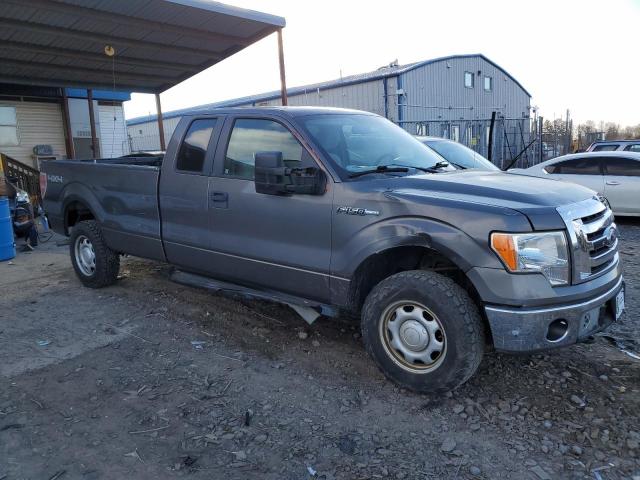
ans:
(7, 247)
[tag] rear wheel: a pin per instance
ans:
(95, 264)
(423, 330)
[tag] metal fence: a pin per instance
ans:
(142, 143)
(515, 142)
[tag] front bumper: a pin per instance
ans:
(526, 329)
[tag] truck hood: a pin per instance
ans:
(537, 198)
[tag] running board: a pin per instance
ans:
(307, 309)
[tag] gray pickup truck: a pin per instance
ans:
(340, 212)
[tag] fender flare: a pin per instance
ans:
(76, 192)
(446, 239)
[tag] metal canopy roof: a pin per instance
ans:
(158, 43)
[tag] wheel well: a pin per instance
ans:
(76, 212)
(381, 265)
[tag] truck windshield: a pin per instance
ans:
(359, 143)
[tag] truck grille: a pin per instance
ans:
(593, 238)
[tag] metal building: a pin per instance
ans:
(452, 97)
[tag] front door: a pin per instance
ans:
(585, 171)
(622, 184)
(267, 241)
(184, 194)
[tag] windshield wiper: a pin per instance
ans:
(433, 169)
(461, 167)
(380, 169)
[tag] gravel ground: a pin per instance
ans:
(149, 379)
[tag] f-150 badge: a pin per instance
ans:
(356, 211)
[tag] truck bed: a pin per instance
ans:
(121, 193)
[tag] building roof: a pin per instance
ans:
(384, 72)
(157, 43)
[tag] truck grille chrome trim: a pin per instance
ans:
(593, 238)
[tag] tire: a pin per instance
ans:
(87, 243)
(423, 331)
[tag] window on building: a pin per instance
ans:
(8, 127)
(252, 135)
(194, 146)
(455, 133)
(468, 79)
(625, 167)
(488, 84)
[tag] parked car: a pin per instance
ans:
(458, 155)
(334, 211)
(615, 145)
(614, 175)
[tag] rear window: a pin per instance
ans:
(633, 148)
(194, 146)
(605, 148)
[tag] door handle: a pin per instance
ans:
(218, 199)
(612, 182)
(219, 196)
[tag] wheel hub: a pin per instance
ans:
(85, 256)
(413, 336)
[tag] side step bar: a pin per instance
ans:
(307, 309)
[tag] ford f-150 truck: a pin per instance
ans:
(341, 212)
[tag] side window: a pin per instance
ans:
(252, 135)
(623, 166)
(488, 84)
(194, 146)
(605, 148)
(633, 148)
(578, 166)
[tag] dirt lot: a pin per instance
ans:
(149, 379)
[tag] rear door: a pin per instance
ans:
(184, 192)
(622, 185)
(270, 241)
(586, 171)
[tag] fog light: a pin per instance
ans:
(557, 330)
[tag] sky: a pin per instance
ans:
(576, 55)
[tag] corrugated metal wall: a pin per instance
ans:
(113, 133)
(38, 124)
(433, 92)
(144, 136)
(367, 96)
(436, 92)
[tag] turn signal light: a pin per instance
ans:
(504, 246)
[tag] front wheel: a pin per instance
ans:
(423, 330)
(94, 262)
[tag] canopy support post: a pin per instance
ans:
(92, 123)
(283, 76)
(160, 123)
(71, 154)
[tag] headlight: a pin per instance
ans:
(544, 252)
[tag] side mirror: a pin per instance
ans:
(272, 177)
